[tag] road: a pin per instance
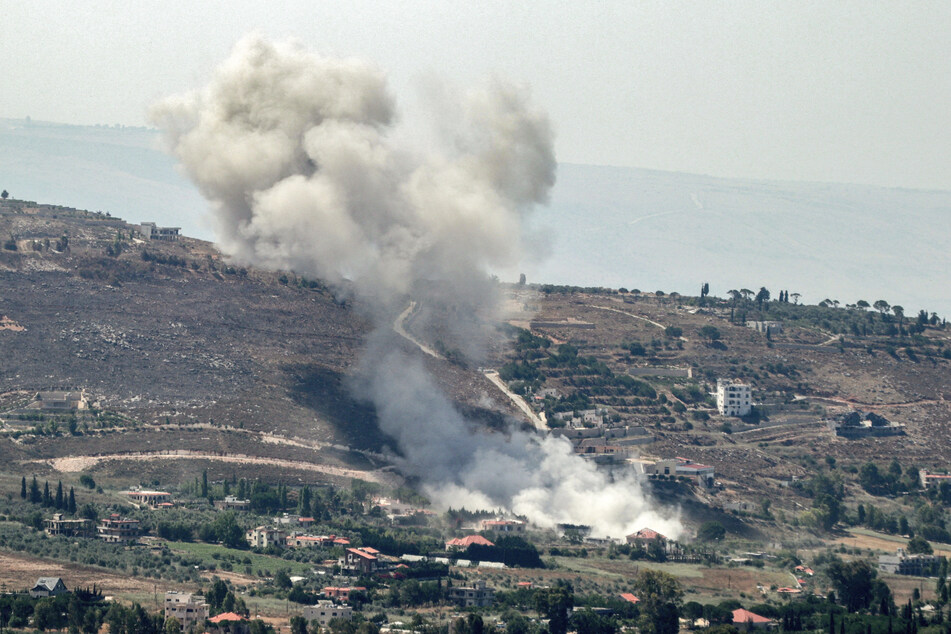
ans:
(519, 402)
(400, 329)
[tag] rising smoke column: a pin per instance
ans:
(295, 153)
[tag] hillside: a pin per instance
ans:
(168, 335)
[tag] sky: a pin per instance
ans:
(844, 91)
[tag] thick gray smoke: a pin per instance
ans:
(296, 154)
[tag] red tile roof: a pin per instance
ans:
(227, 616)
(745, 616)
(361, 553)
(468, 540)
(627, 596)
(647, 533)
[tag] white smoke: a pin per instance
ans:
(296, 154)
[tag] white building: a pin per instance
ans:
(734, 398)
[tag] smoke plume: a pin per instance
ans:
(296, 154)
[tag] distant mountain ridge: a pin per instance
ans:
(606, 226)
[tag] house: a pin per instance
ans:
(326, 611)
(461, 543)
(342, 593)
(48, 587)
(646, 536)
(62, 401)
(476, 596)
(503, 526)
(186, 608)
(734, 398)
(296, 540)
(703, 474)
(232, 503)
(360, 560)
(932, 480)
(294, 520)
(901, 563)
(152, 499)
(228, 623)
(151, 231)
(746, 620)
(630, 598)
(68, 528)
(115, 529)
(264, 536)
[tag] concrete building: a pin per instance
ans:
(68, 528)
(478, 595)
(901, 563)
(766, 327)
(186, 608)
(62, 401)
(151, 231)
(734, 398)
(115, 529)
(326, 611)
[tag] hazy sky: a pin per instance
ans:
(831, 91)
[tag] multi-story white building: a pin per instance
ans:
(734, 398)
(186, 608)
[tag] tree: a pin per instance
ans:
(881, 306)
(918, 545)
(172, 626)
(899, 312)
(710, 333)
(71, 504)
(298, 625)
(762, 296)
(204, 483)
(4, 194)
(555, 603)
(795, 297)
(59, 501)
(864, 305)
(35, 496)
(711, 532)
(853, 582)
(47, 498)
(704, 289)
(23, 487)
(660, 595)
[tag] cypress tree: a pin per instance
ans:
(60, 502)
(23, 488)
(47, 498)
(204, 483)
(71, 504)
(35, 496)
